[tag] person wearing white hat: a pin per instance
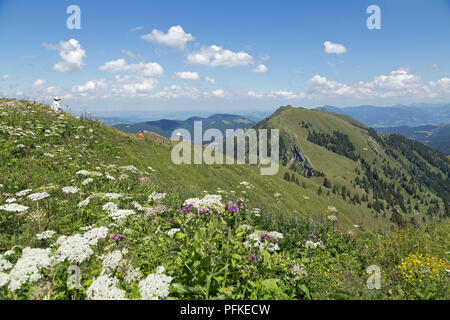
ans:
(55, 105)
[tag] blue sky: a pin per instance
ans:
(222, 56)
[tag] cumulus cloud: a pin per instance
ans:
(335, 48)
(215, 56)
(254, 94)
(218, 93)
(398, 84)
(89, 86)
(151, 69)
(39, 84)
(177, 92)
(260, 68)
(4, 77)
(187, 75)
(139, 87)
(175, 37)
(71, 55)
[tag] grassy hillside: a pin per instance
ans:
(391, 174)
(74, 192)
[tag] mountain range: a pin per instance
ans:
(165, 127)
(399, 115)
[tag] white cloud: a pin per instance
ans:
(398, 85)
(4, 77)
(215, 56)
(177, 92)
(277, 94)
(254, 94)
(89, 86)
(218, 93)
(283, 94)
(187, 75)
(175, 37)
(71, 55)
(151, 69)
(210, 80)
(260, 68)
(335, 48)
(140, 87)
(40, 84)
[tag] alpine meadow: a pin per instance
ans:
(76, 192)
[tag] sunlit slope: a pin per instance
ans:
(416, 174)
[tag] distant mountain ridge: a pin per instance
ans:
(434, 136)
(395, 116)
(165, 127)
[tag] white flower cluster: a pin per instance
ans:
(84, 203)
(28, 266)
(93, 235)
(23, 192)
(105, 288)
(120, 214)
(109, 177)
(4, 264)
(11, 200)
(14, 207)
(332, 209)
(155, 286)
(112, 195)
(72, 190)
(115, 213)
(89, 173)
(4, 278)
(209, 202)
(87, 181)
(172, 232)
(311, 244)
(129, 168)
(111, 261)
(38, 196)
(332, 218)
(247, 184)
(156, 196)
(132, 274)
(75, 249)
(110, 206)
(45, 235)
(264, 241)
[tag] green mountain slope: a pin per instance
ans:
(388, 172)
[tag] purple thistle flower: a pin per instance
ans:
(312, 236)
(207, 246)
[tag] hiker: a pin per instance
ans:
(55, 106)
